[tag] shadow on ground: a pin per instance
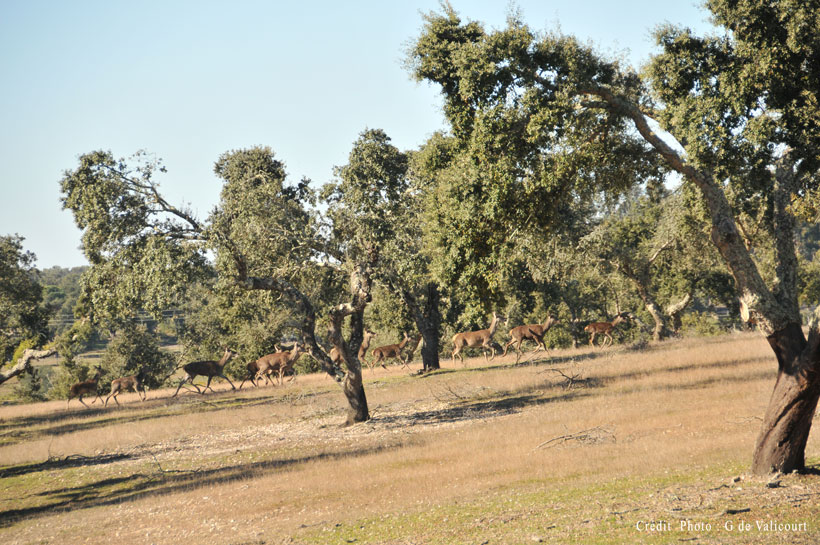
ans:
(114, 490)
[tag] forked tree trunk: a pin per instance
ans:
(781, 444)
(351, 376)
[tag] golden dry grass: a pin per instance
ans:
(485, 452)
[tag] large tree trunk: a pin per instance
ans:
(785, 430)
(354, 392)
(428, 322)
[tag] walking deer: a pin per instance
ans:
(473, 339)
(604, 328)
(279, 363)
(132, 383)
(381, 353)
(533, 332)
(85, 387)
(208, 369)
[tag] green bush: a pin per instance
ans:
(29, 387)
(134, 349)
(701, 324)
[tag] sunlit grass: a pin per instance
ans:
(469, 453)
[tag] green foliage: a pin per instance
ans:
(701, 324)
(22, 314)
(68, 372)
(29, 387)
(144, 252)
(523, 156)
(61, 293)
(133, 350)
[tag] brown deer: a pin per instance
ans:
(279, 363)
(533, 332)
(381, 353)
(208, 369)
(125, 384)
(83, 388)
(604, 328)
(473, 339)
(253, 370)
(336, 356)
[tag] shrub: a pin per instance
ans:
(701, 324)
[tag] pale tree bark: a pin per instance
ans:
(24, 363)
(675, 310)
(783, 435)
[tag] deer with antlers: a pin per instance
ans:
(605, 328)
(132, 383)
(279, 363)
(473, 339)
(85, 387)
(533, 332)
(208, 369)
(381, 353)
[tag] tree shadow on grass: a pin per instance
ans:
(27, 428)
(74, 460)
(466, 410)
(115, 490)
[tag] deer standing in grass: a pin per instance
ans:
(83, 388)
(279, 363)
(473, 339)
(125, 384)
(381, 353)
(208, 369)
(336, 356)
(533, 332)
(604, 328)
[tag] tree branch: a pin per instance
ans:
(24, 363)
(770, 315)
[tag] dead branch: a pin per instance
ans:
(594, 435)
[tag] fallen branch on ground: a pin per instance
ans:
(597, 434)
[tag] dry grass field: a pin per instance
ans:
(576, 446)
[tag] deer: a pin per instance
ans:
(533, 332)
(208, 369)
(473, 339)
(604, 328)
(132, 383)
(279, 362)
(85, 387)
(336, 356)
(253, 371)
(381, 353)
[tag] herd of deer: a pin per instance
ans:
(278, 364)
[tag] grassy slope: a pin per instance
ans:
(489, 453)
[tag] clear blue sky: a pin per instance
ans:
(188, 81)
